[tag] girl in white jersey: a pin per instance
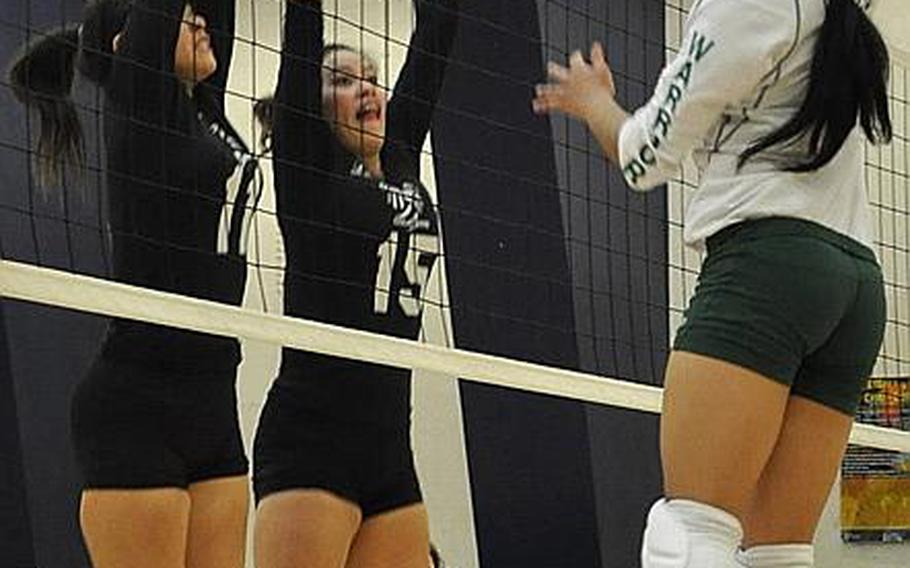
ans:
(771, 99)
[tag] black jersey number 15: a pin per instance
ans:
(405, 263)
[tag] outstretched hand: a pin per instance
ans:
(576, 89)
(585, 91)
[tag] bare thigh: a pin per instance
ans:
(304, 528)
(399, 538)
(719, 426)
(140, 528)
(217, 527)
(795, 485)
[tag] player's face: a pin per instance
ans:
(353, 103)
(194, 60)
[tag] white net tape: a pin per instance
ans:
(63, 289)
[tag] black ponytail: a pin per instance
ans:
(264, 111)
(848, 82)
(42, 79)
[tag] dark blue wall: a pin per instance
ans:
(49, 348)
(551, 259)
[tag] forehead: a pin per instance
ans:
(350, 61)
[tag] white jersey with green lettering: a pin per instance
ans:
(743, 72)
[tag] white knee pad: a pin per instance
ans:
(687, 534)
(665, 543)
(778, 556)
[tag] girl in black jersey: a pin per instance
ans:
(155, 422)
(333, 469)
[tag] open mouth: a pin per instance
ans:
(369, 112)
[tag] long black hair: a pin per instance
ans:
(42, 79)
(848, 82)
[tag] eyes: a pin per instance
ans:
(342, 80)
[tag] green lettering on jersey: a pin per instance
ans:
(699, 47)
(673, 97)
(685, 74)
(634, 171)
(647, 155)
(663, 121)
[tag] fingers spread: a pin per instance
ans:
(548, 91)
(598, 60)
(547, 98)
(577, 60)
(557, 72)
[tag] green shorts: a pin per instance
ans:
(793, 301)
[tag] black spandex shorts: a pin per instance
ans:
(793, 301)
(372, 467)
(139, 428)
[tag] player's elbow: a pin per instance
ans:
(646, 171)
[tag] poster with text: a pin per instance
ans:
(875, 492)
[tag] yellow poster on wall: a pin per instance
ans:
(875, 492)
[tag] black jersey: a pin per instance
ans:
(181, 184)
(348, 260)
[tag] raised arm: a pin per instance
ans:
(301, 137)
(722, 63)
(143, 70)
(307, 183)
(417, 90)
(220, 17)
(725, 59)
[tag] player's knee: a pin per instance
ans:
(665, 543)
(687, 534)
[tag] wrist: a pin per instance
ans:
(596, 104)
(605, 119)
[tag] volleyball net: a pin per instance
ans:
(539, 239)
